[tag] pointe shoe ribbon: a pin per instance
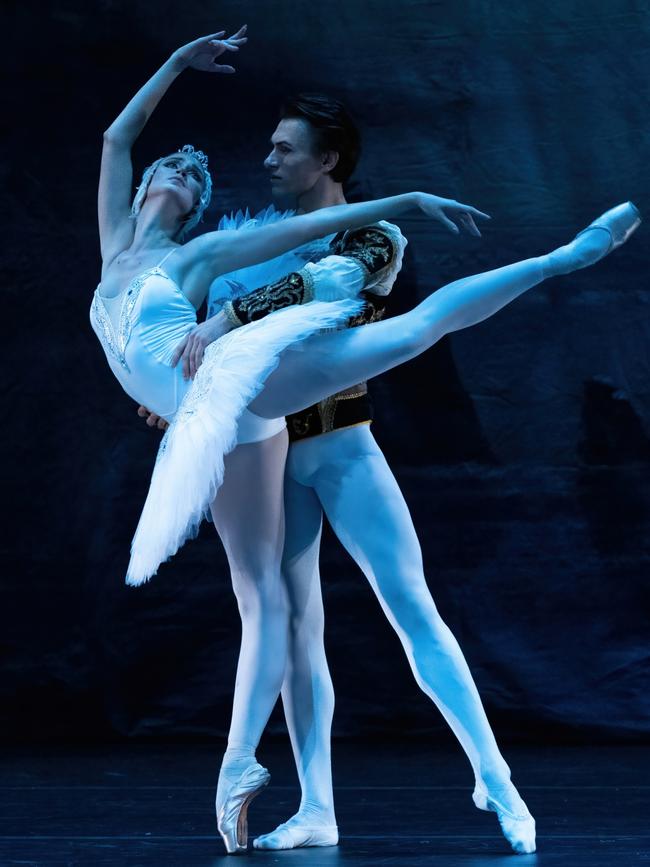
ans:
(232, 816)
(619, 222)
(518, 828)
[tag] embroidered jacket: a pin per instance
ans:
(357, 262)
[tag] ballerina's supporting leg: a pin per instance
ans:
(327, 363)
(248, 513)
(307, 691)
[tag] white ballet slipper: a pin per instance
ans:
(518, 828)
(296, 833)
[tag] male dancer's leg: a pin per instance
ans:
(368, 513)
(307, 691)
(248, 513)
(331, 362)
(327, 363)
(363, 502)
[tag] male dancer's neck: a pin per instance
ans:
(320, 196)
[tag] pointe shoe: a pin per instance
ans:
(619, 222)
(232, 816)
(518, 829)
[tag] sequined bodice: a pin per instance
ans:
(139, 329)
(115, 339)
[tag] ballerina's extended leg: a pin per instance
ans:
(327, 363)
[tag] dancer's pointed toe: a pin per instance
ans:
(603, 235)
(619, 223)
(232, 814)
(517, 824)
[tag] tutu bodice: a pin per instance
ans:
(139, 329)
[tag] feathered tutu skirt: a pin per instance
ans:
(190, 463)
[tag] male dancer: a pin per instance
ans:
(336, 467)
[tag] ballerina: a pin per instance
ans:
(252, 377)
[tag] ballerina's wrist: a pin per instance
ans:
(177, 61)
(415, 199)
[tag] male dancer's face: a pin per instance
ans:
(293, 164)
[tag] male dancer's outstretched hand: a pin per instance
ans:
(451, 213)
(192, 347)
(191, 350)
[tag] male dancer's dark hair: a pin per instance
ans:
(335, 130)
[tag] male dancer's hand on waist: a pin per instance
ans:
(192, 347)
(153, 420)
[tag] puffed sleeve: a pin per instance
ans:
(335, 278)
(364, 261)
(379, 250)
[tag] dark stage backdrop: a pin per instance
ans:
(522, 445)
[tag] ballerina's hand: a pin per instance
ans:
(451, 213)
(203, 52)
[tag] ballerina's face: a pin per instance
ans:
(293, 164)
(183, 177)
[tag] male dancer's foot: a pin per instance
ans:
(309, 827)
(495, 792)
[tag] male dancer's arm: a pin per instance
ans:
(364, 262)
(358, 260)
(372, 256)
(366, 258)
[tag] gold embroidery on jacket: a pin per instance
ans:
(285, 292)
(230, 314)
(371, 247)
(301, 422)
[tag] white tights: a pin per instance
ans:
(249, 517)
(345, 474)
(248, 514)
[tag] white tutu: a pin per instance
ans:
(189, 465)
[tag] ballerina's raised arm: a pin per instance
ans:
(205, 257)
(116, 228)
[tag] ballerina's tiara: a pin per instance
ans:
(198, 155)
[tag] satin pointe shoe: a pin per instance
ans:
(619, 222)
(518, 829)
(232, 816)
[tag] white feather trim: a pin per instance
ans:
(189, 466)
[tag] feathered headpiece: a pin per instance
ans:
(196, 213)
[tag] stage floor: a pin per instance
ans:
(398, 805)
